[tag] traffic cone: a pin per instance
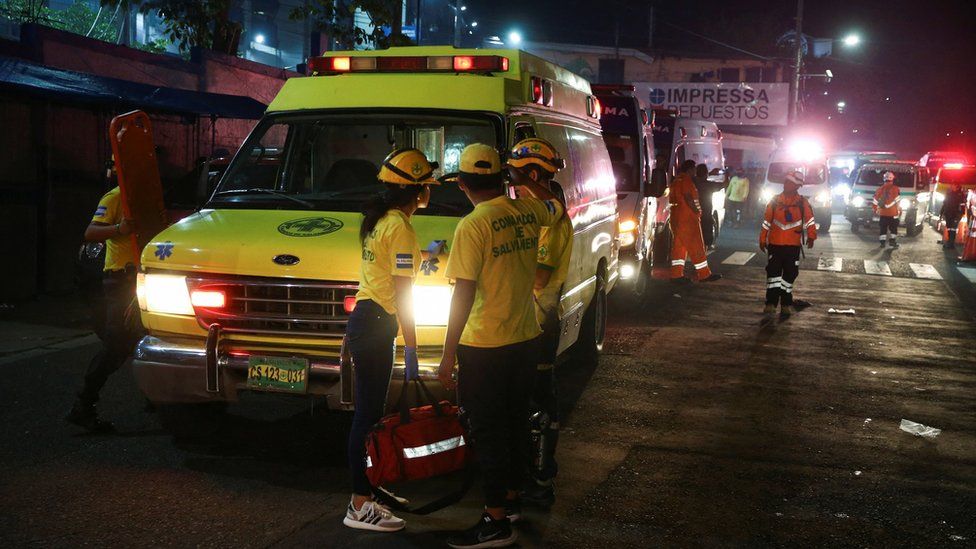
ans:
(969, 250)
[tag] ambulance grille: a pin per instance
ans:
(275, 306)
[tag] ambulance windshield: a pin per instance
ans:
(330, 162)
(813, 174)
(873, 176)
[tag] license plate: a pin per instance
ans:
(275, 373)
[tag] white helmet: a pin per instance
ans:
(795, 178)
(889, 176)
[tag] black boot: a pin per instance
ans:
(84, 415)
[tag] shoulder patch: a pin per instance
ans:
(100, 211)
(404, 261)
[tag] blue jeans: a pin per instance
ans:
(371, 336)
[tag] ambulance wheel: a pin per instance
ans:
(855, 227)
(644, 276)
(912, 226)
(594, 329)
(826, 223)
(192, 420)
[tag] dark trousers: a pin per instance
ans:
(734, 213)
(371, 338)
(545, 405)
(781, 271)
(118, 339)
(952, 225)
(494, 388)
(707, 227)
(888, 224)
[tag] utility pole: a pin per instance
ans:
(457, 24)
(650, 26)
(798, 67)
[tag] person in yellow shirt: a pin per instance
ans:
(492, 330)
(384, 303)
(737, 194)
(109, 225)
(536, 160)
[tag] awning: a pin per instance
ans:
(77, 87)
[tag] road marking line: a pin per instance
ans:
(877, 267)
(923, 270)
(968, 272)
(739, 258)
(835, 264)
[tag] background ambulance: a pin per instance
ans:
(252, 292)
(809, 159)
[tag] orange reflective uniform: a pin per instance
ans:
(785, 220)
(686, 228)
(886, 200)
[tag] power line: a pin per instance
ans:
(723, 44)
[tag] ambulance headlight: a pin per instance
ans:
(905, 203)
(939, 197)
(842, 189)
(823, 198)
(766, 195)
(858, 201)
(431, 305)
(162, 293)
(627, 271)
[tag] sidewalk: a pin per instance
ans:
(46, 324)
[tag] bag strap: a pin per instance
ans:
(420, 387)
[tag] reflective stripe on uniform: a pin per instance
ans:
(702, 265)
(774, 282)
(677, 262)
(882, 238)
(433, 448)
(787, 226)
(809, 223)
(765, 224)
(892, 205)
(787, 287)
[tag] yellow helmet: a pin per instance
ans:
(407, 167)
(534, 150)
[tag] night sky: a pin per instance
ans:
(921, 56)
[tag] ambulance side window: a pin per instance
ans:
(522, 131)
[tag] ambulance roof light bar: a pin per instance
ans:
(439, 63)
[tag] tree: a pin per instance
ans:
(77, 18)
(336, 18)
(200, 23)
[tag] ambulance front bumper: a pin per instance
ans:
(178, 370)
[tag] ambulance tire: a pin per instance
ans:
(855, 227)
(644, 276)
(826, 223)
(594, 329)
(912, 226)
(198, 420)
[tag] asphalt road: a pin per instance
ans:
(698, 427)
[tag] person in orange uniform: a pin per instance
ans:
(686, 215)
(886, 206)
(788, 216)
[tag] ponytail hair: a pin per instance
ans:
(375, 208)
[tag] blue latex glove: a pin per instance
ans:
(412, 366)
(436, 247)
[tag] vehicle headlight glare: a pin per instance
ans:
(858, 201)
(842, 189)
(767, 195)
(904, 203)
(823, 198)
(939, 197)
(626, 271)
(627, 226)
(166, 294)
(627, 239)
(431, 305)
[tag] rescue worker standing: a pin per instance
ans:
(119, 335)
(492, 331)
(390, 261)
(737, 193)
(788, 216)
(886, 206)
(686, 213)
(951, 213)
(536, 160)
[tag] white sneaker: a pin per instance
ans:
(372, 516)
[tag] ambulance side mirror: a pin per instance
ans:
(657, 185)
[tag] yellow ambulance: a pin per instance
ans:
(252, 292)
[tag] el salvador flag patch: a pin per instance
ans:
(404, 261)
(100, 211)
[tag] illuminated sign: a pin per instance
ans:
(747, 104)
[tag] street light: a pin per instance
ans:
(514, 38)
(474, 23)
(851, 40)
(259, 39)
(841, 104)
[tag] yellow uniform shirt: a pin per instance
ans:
(389, 250)
(738, 189)
(496, 245)
(555, 246)
(118, 249)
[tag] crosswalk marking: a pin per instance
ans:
(969, 273)
(835, 264)
(922, 270)
(877, 267)
(739, 258)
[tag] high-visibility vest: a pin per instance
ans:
(886, 200)
(786, 219)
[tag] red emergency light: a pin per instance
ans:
(208, 299)
(349, 304)
(435, 63)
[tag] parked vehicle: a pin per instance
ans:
(810, 161)
(677, 139)
(628, 133)
(945, 178)
(933, 160)
(267, 271)
(912, 182)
